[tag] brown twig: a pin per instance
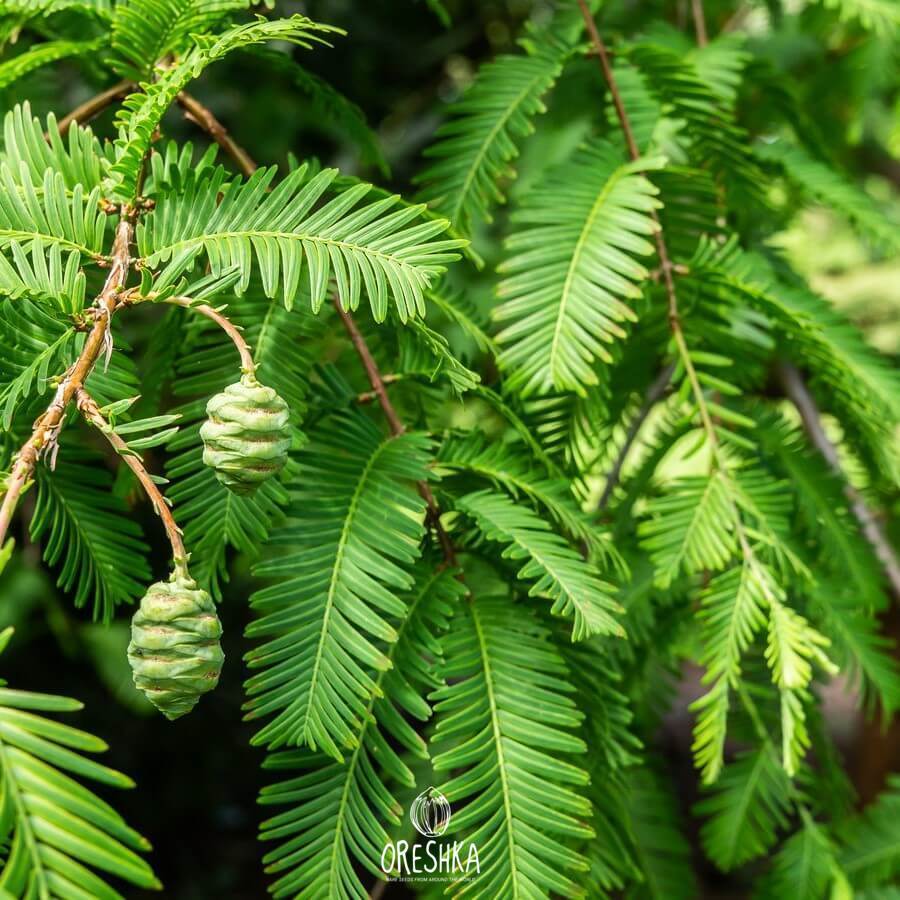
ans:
(248, 366)
(654, 395)
(668, 270)
(201, 115)
(396, 425)
(662, 250)
(93, 107)
(603, 57)
(796, 389)
(371, 367)
(665, 263)
(699, 22)
(196, 112)
(369, 396)
(46, 428)
(92, 413)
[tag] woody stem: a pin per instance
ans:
(91, 412)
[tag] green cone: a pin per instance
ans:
(174, 652)
(247, 436)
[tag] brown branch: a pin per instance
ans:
(662, 251)
(46, 428)
(93, 107)
(738, 19)
(654, 395)
(91, 412)
(706, 420)
(796, 389)
(603, 57)
(665, 264)
(371, 367)
(196, 112)
(396, 425)
(699, 22)
(248, 366)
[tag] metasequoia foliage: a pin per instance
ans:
(488, 530)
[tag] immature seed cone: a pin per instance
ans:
(174, 652)
(246, 437)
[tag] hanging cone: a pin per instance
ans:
(174, 653)
(247, 436)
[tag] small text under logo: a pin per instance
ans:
(434, 860)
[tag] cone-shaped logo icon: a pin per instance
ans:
(430, 813)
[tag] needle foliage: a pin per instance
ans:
(556, 419)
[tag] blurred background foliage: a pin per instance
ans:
(401, 62)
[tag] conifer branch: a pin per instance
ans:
(92, 108)
(201, 115)
(668, 277)
(208, 122)
(798, 393)
(99, 340)
(394, 422)
(665, 264)
(603, 58)
(88, 407)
